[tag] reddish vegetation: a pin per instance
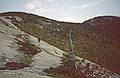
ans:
(68, 69)
(14, 65)
(28, 48)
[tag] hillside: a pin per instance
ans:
(97, 39)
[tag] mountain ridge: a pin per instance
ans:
(16, 12)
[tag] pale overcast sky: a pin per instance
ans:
(64, 10)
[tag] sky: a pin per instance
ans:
(64, 10)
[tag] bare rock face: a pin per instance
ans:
(15, 63)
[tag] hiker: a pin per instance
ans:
(39, 41)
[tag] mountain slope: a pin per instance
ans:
(12, 57)
(97, 39)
